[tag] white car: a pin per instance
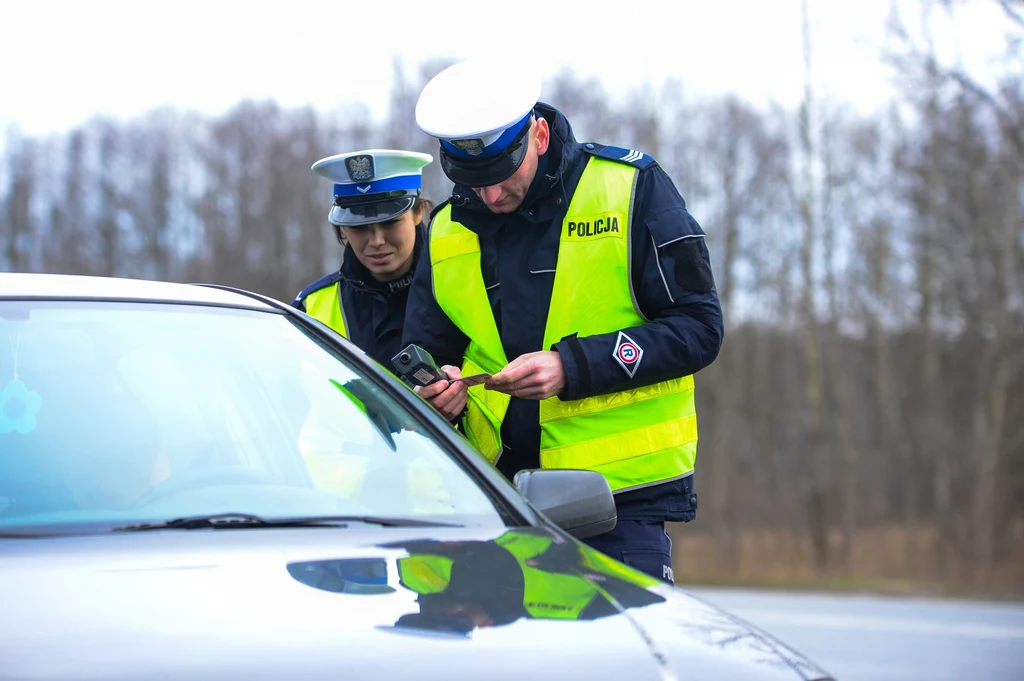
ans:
(202, 483)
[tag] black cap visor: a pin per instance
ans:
(485, 172)
(359, 211)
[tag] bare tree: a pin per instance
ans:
(19, 222)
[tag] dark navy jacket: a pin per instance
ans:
(374, 310)
(671, 277)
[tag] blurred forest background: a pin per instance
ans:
(864, 424)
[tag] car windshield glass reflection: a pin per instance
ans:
(119, 413)
(345, 575)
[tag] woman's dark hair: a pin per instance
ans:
(424, 206)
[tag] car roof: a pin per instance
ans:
(78, 287)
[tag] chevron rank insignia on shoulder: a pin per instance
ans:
(631, 157)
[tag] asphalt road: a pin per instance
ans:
(881, 638)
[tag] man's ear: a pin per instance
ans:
(543, 136)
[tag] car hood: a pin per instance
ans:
(392, 603)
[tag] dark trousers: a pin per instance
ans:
(641, 545)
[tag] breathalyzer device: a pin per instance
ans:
(416, 365)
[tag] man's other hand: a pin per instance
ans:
(533, 376)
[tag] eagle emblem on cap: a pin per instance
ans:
(473, 147)
(360, 168)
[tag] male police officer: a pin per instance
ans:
(581, 265)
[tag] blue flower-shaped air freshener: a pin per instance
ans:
(18, 408)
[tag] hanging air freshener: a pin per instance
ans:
(18, 404)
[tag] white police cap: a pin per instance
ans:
(373, 185)
(480, 109)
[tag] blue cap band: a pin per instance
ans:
(495, 147)
(389, 184)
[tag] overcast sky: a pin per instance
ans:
(62, 62)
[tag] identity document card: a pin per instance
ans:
(475, 379)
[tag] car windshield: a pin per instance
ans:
(115, 413)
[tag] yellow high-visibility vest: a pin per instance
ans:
(325, 306)
(636, 437)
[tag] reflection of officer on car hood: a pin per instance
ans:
(522, 574)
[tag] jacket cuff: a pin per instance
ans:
(575, 366)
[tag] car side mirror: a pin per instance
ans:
(580, 502)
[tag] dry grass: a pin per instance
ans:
(881, 560)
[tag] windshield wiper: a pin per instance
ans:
(222, 521)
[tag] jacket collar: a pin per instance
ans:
(355, 273)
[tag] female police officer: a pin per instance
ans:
(380, 218)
